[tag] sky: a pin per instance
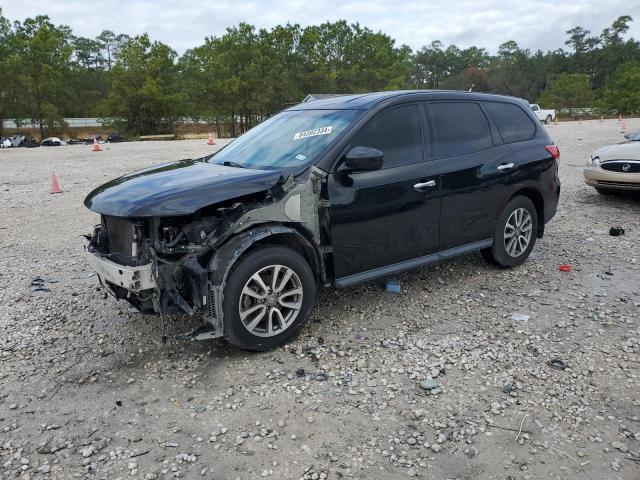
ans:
(534, 24)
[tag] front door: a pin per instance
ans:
(387, 216)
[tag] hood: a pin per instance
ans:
(621, 151)
(177, 188)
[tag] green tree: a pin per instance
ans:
(44, 52)
(5, 73)
(568, 90)
(144, 88)
(111, 45)
(623, 90)
(515, 71)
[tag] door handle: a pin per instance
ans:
(505, 166)
(420, 187)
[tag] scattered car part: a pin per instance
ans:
(557, 364)
(392, 286)
(616, 231)
(520, 317)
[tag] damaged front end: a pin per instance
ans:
(179, 263)
(151, 263)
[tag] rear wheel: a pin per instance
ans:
(515, 235)
(267, 298)
(548, 120)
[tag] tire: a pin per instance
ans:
(548, 120)
(498, 254)
(243, 311)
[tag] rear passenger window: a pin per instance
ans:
(396, 133)
(513, 124)
(459, 128)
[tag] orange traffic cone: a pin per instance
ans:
(210, 141)
(620, 118)
(96, 146)
(55, 187)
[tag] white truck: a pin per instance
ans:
(546, 116)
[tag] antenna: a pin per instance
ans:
(471, 88)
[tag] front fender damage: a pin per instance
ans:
(191, 258)
(296, 214)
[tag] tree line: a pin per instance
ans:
(236, 80)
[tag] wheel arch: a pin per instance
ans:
(538, 201)
(225, 257)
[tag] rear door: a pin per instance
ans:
(391, 215)
(472, 162)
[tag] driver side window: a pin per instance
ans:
(396, 133)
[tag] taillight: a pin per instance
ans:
(554, 151)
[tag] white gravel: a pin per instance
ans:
(495, 409)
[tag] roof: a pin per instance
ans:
(321, 96)
(365, 101)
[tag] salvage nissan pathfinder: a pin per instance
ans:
(332, 192)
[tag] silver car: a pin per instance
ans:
(616, 167)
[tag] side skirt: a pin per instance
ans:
(410, 264)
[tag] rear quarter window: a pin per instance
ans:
(512, 122)
(459, 128)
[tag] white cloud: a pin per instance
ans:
(534, 24)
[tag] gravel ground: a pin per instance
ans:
(89, 390)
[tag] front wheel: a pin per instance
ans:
(267, 298)
(515, 235)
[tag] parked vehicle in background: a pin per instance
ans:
(12, 142)
(332, 192)
(52, 142)
(615, 168)
(546, 116)
(115, 137)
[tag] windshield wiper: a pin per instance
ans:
(229, 163)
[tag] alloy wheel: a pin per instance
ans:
(270, 300)
(517, 232)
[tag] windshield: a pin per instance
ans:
(289, 139)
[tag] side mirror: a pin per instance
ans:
(363, 159)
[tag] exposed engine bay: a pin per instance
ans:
(178, 264)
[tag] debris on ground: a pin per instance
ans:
(616, 231)
(431, 386)
(393, 286)
(557, 364)
(520, 317)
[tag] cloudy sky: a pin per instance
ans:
(487, 23)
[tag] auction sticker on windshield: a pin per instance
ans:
(313, 133)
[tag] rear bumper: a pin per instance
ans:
(133, 279)
(596, 177)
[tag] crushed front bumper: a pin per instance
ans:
(134, 279)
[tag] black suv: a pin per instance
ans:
(332, 192)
